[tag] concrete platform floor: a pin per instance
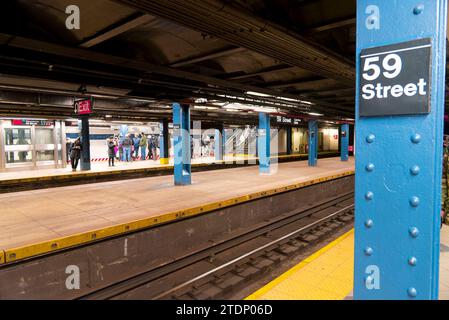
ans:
(35, 216)
(119, 165)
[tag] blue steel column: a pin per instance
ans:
(344, 142)
(163, 141)
(289, 139)
(181, 140)
(263, 143)
(399, 164)
(313, 142)
(219, 142)
(85, 143)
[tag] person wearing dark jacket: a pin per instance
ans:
(75, 153)
(111, 151)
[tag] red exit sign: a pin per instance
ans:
(83, 106)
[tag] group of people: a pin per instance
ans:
(128, 148)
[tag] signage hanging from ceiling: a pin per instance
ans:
(395, 79)
(83, 107)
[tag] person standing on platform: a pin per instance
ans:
(136, 143)
(68, 146)
(155, 145)
(150, 148)
(127, 143)
(116, 148)
(111, 151)
(143, 147)
(75, 153)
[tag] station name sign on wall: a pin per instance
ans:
(395, 79)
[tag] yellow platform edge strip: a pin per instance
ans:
(45, 247)
(256, 295)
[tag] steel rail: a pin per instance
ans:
(250, 253)
(152, 275)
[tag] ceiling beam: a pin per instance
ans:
(263, 71)
(148, 68)
(244, 29)
(114, 31)
(209, 56)
(331, 26)
(301, 83)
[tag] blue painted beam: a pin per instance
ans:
(313, 143)
(181, 140)
(399, 157)
(263, 143)
(344, 142)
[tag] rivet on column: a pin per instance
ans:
(369, 223)
(412, 261)
(416, 138)
(414, 232)
(370, 167)
(414, 170)
(370, 138)
(412, 292)
(414, 201)
(369, 195)
(368, 251)
(418, 9)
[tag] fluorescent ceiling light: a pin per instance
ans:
(259, 94)
(288, 99)
(315, 114)
(266, 110)
(295, 100)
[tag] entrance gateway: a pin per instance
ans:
(401, 59)
(31, 143)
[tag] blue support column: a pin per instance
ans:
(289, 139)
(344, 141)
(181, 139)
(163, 142)
(85, 143)
(263, 143)
(219, 142)
(313, 142)
(399, 155)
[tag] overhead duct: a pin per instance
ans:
(243, 29)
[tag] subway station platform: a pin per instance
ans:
(328, 274)
(100, 171)
(43, 221)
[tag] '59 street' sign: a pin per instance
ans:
(395, 79)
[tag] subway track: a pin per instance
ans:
(223, 269)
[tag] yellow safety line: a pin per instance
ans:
(28, 251)
(302, 264)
